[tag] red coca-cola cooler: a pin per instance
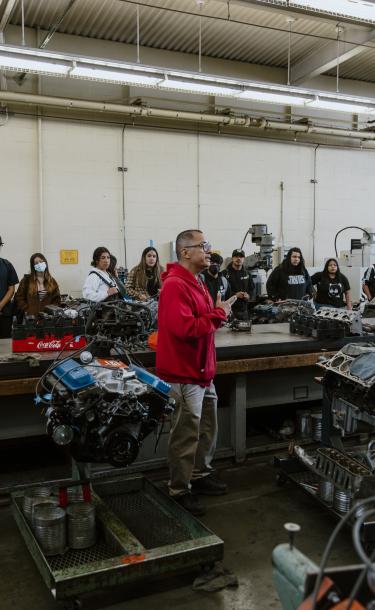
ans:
(48, 343)
(45, 335)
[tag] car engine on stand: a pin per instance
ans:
(98, 401)
(102, 409)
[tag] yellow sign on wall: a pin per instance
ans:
(69, 257)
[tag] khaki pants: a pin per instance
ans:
(193, 437)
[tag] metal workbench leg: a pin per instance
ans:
(238, 417)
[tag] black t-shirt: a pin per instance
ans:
(216, 284)
(8, 277)
(330, 291)
(239, 281)
(369, 280)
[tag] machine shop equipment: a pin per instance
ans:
(259, 262)
(335, 475)
(303, 585)
(355, 261)
(362, 251)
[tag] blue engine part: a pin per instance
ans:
(73, 375)
(152, 380)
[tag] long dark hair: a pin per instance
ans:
(288, 265)
(48, 279)
(141, 277)
(97, 254)
(325, 270)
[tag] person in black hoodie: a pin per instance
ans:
(241, 284)
(215, 280)
(290, 279)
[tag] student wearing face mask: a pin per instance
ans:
(8, 281)
(215, 280)
(37, 288)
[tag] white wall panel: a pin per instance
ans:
(161, 189)
(82, 194)
(345, 196)
(19, 212)
(239, 184)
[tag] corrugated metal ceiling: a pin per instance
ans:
(241, 33)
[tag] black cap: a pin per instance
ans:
(1, 241)
(240, 253)
(216, 258)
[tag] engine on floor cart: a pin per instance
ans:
(102, 409)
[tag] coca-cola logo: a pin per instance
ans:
(49, 344)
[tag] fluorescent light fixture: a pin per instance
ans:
(113, 76)
(337, 106)
(357, 9)
(273, 98)
(26, 64)
(197, 87)
(61, 65)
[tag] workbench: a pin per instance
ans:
(266, 367)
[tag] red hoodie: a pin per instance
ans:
(187, 321)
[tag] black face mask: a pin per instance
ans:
(214, 269)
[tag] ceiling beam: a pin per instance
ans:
(6, 14)
(326, 58)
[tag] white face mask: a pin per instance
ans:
(41, 267)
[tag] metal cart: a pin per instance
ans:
(142, 535)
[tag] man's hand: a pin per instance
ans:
(226, 305)
(240, 295)
(111, 291)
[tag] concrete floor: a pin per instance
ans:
(249, 519)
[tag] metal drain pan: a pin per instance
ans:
(141, 535)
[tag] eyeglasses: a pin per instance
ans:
(205, 245)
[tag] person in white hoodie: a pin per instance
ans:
(99, 284)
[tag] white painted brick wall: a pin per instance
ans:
(239, 184)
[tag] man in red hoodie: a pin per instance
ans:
(186, 358)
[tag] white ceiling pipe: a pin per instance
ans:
(217, 119)
(328, 131)
(75, 104)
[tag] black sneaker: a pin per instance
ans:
(191, 503)
(209, 486)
